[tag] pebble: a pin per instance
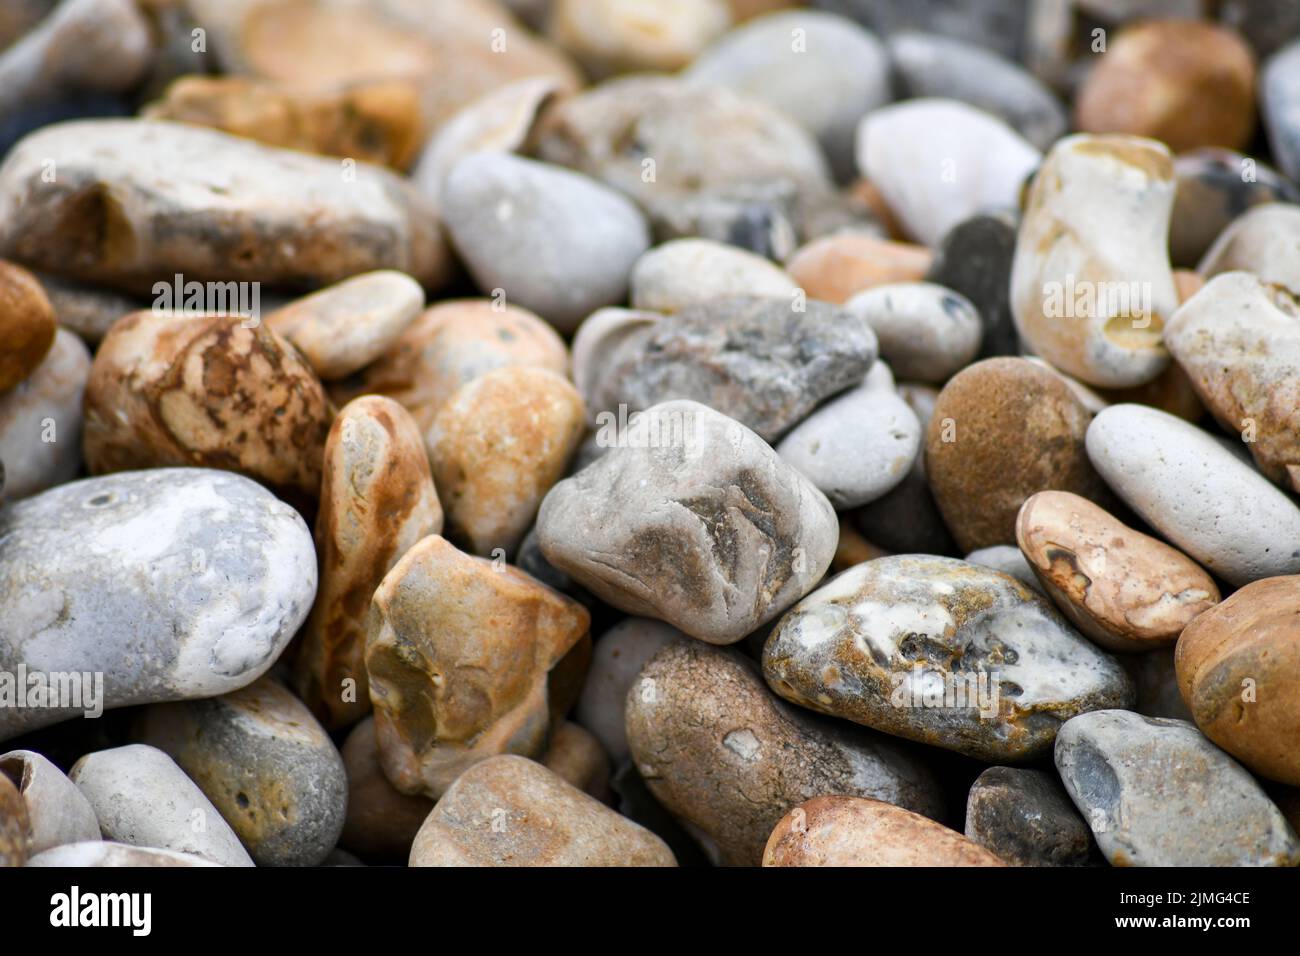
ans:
(824, 70)
(268, 767)
(616, 661)
(1187, 83)
(856, 447)
(937, 162)
(1009, 560)
(511, 811)
(137, 201)
(1091, 284)
(845, 831)
(1025, 817)
(554, 241)
(175, 583)
(377, 500)
(1214, 187)
(454, 342)
(1197, 493)
(381, 821)
(596, 345)
(1239, 671)
(929, 65)
(765, 362)
(373, 121)
(461, 651)
(342, 329)
(1264, 241)
(141, 797)
(1152, 789)
(576, 756)
(1239, 340)
(1279, 96)
(943, 652)
(41, 420)
(87, 310)
(1171, 391)
(15, 828)
(497, 446)
(57, 812)
(997, 25)
(926, 332)
(612, 36)
(108, 854)
(27, 325)
(694, 521)
(835, 268)
(686, 272)
(1003, 429)
(974, 259)
(1123, 589)
(169, 388)
(721, 753)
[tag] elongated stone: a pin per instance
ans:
(41, 420)
(57, 812)
(174, 583)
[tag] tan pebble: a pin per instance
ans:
(343, 328)
(15, 828)
(209, 391)
(614, 36)
(854, 831)
(1124, 589)
(1239, 672)
(460, 651)
(381, 821)
(577, 756)
(377, 500)
(497, 446)
(27, 324)
(836, 268)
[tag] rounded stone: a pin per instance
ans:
(554, 241)
(845, 831)
(926, 332)
(1125, 590)
(686, 272)
(174, 583)
(1197, 493)
(1025, 817)
(1003, 429)
(1185, 82)
(1265, 241)
(265, 763)
(27, 324)
(497, 446)
(57, 812)
(381, 821)
(942, 652)
(41, 420)
(511, 811)
(167, 388)
(974, 259)
(835, 268)
(577, 757)
(1239, 671)
(720, 752)
(613, 36)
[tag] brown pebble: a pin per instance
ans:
(577, 756)
(27, 324)
(15, 827)
(381, 821)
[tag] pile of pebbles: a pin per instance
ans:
(457, 432)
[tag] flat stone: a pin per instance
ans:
(1215, 186)
(943, 652)
(381, 821)
(1279, 97)
(1151, 790)
(342, 329)
(765, 362)
(143, 798)
(168, 388)
(686, 272)
(702, 526)
(268, 767)
(497, 446)
(136, 202)
(1241, 528)
(608, 37)
(824, 70)
(721, 753)
(937, 162)
(41, 420)
(837, 267)
(1002, 430)
(27, 325)
(974, 258)
(1091, 283)
(1125, 590)
(844, 831)
(511, 811)
(1263, 240)
(57, 812)
(103, 853)
(556, 242)
(461, 652)
(1237, 669)
(1025, 817)
(174, 583)
(926, 332)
